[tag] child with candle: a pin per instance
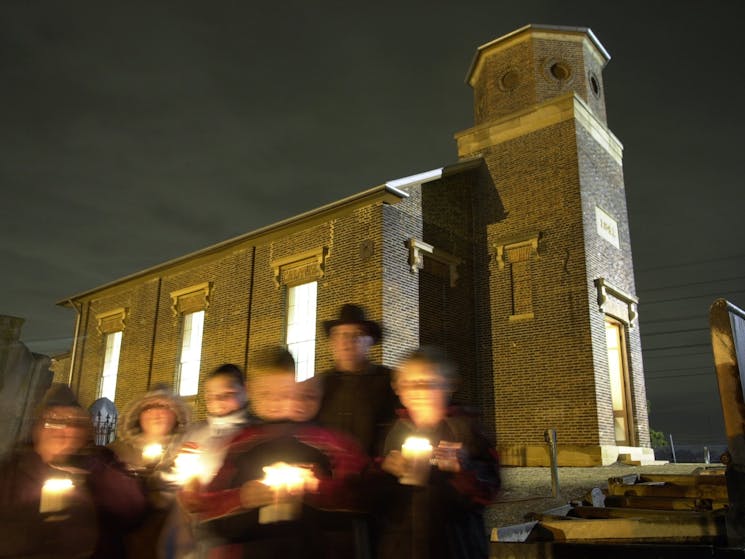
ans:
(443, 470)
(244, 506)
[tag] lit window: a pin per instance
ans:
(107, 388)
(191, 353)
(301, 327)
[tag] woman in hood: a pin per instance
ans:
(149, 438)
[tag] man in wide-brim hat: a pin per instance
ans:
(358, 395)
(358, 399)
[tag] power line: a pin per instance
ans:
(676, 376)
(694, 263)
(690, 284)
(657, 321)
(686, 355)
(686, 331)
(646, 372)
(684, 346)
(700, 296)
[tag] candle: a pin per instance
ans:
(281, 476)
(152, 452)
(187, 466)
(285, 480)
(418, 452)
(54, 493)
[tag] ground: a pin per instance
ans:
(526, 490)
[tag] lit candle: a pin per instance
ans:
(284, 480)
(152, 452)
(187, 466)
(281, 476)
(418, 452)
(53, 494)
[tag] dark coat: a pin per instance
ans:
(444, 519)
(103, 505)
(335, 457)
(360, 404)
(152, 537)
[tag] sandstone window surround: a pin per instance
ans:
(419, 250)
(615, 302)
(516, 254)
(110, 324)
(299, 268)
(191, 299)
(111, 321)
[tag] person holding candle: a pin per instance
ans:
(226, 400)
(279, 475)
(204, 447)
(61, 496)
(442, 469)
(149, 437)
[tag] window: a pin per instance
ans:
(301, 327)
(107, 387)
(191, 353)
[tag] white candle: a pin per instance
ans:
(284, 480)
(417, 451)
(416, 447)
(54, 493)
(187, 466)
(283, 476)
(152, 452)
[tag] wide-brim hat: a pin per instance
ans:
(354, 314)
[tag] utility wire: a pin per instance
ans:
(690, 284)
(699, 296)
(646, 372)
(647, 334)
(694, 263)
(658, 320)
(684, 346)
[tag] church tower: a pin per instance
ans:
(559, 315)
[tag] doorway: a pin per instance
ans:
(619, 382)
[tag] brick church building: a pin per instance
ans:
(516, 259)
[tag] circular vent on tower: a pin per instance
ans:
(560, 71)
(594, 84)
(509, 80)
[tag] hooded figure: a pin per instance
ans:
(149, 437)
(157, 418)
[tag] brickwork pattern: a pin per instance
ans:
(602, 184)
(525, 372)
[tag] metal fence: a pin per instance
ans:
(104, 428)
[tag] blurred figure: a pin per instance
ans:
(62, 497)
(358, 398)
(259, 516)
(443, 470)
(227, 413)
(149, 437)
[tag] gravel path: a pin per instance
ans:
(526, 490)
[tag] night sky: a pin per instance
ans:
(135, 132)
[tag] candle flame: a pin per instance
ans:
(152, 451)
(417, 444)
(187, 466)
(282, 475)
(58, 485)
